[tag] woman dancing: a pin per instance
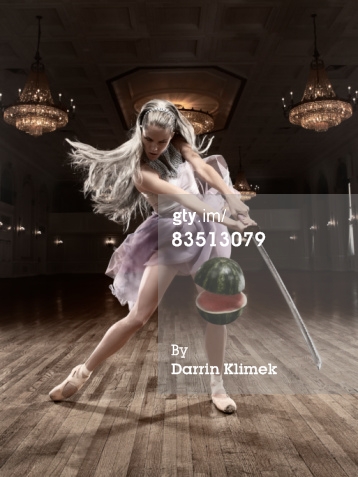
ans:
(160, 158)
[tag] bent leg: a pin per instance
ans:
(155, 281)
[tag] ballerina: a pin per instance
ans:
(159, 160)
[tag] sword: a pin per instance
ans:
(311, 346)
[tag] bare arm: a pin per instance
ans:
(151, 182)
(209, 175)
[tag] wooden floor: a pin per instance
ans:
(120, 425)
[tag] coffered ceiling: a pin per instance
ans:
(267, 43)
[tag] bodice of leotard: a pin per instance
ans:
(185, 180)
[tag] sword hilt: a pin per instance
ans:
(253, 228)
(250, 228)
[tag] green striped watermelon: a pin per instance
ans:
(222, 300)
(220, 275)
(220, 309)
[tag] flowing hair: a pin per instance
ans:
(108, 175)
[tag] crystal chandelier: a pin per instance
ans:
(201, 121)
(242, 185)
(35, 111)
(319, 108)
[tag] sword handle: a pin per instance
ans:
(252, 228)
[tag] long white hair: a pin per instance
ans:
(109, 174)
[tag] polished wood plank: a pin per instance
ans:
(122, 425)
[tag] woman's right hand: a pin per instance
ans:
(241, 224)
(246, 220)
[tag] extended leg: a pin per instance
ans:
(215, 345)
(155, 281)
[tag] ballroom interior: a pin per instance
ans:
(242, 72)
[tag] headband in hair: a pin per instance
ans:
(163, 110)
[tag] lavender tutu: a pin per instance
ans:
(151, 243)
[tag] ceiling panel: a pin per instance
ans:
(57, 50)
(235, 49)
(116, 50)
(174, 19)
(106, 19)
(244, 18)
(169, 49)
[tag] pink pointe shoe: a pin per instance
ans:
(73, 383)
(220, 399)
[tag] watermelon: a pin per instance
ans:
(220, 309)
(220, 275)
(222, 300)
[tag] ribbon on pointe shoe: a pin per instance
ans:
(73, 383)
(219, 397)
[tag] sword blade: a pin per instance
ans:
(311, 346)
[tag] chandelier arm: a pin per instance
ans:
(241, 183)
(37, 54)
(240, 164)
(315, 52)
